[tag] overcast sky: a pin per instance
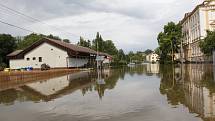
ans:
(132, 24)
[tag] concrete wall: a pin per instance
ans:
(51, 55)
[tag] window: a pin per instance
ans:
(40, 59)
(51, 49)
(28, 59)
(34, 58)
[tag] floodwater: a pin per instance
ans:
(139, 93)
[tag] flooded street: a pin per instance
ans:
(139, 93)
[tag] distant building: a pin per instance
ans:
(56, 54)
(194, 27)
(153, 57)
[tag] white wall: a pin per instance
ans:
(77, 62)
(106, 61)
(51, 55)
(152, 57)
(148, 58)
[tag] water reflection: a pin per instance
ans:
(195, 88)
(151, 92)
(50, 89)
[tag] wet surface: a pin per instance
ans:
(139, 93)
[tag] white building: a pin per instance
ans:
(194, 27)
(153, 57)
(55, 53)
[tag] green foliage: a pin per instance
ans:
(109, 47)
(157, 51)
(29, 40)
(148, 51)
(208, 45)
(137, 57)
(84, 43)
(7, 45)
(32, 38)
(168, 39)
(54, 37)
(98, 43)
(66, 40)
(121, 55)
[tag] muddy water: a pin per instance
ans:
(139, 93)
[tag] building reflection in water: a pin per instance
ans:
(190, 85)
(193, 86)
(50, 89)
(153, 68)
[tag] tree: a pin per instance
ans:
(157, 50)
(29, 40)
(7, 45)
(66, 40)
(32, 38)
(98, 43)
(84, 43)
(121, 54)
(148, 51)
(208, 44)
(109, 47)
(54, 37)
(169, 40)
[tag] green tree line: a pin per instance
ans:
(108, 46)
(8, 44)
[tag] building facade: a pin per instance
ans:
(153, 57)
(194, 28)
(54, 53)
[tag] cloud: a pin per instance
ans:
(132, 24)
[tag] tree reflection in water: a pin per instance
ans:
(195, 89)
(60, 86)
(192, 86)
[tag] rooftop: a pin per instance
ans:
(71, 49)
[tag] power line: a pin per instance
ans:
(18, 12)
(15, 26)
(10, 13)
(35, 19)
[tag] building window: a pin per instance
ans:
(51, 49)
(34, 58)
(28, 59)
(40, 59)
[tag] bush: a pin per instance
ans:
(118, 63)
(2, 66)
